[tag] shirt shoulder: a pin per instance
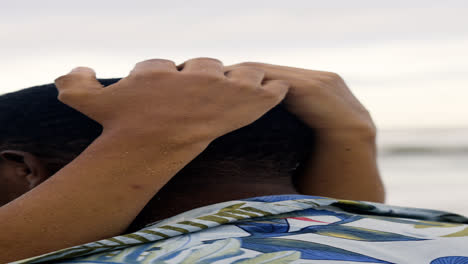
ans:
(281, 227)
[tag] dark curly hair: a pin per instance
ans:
(35, 121)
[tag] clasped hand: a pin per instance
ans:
(196, 101)
(202, 100)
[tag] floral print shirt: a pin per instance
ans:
(285, 229)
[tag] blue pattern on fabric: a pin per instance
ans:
(280, 198)
(283, 229)
(450, 260)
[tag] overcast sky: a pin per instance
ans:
(406, 60)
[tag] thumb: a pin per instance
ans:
(80, 80)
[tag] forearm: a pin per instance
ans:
(343, 165)
(95, 196)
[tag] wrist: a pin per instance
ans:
(364, 134)
(343, 165)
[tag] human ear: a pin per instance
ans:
(26, 166)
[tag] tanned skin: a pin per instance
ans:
(343, 164)
(194, 106)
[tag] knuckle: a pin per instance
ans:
(158, 65)
(140, 64)
(205, 59)
(70, 78)
(164, 61)
(155, 61)
(142, 73)
(248, 63)
(332, 77)
(63, 80)
(83, 71)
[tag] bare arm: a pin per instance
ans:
(156, 120)
(343, 163)
(95, 196)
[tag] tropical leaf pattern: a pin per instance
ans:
(280, 257)
(450, 260)
(284, 229)
(220, 249)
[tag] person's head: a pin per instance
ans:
(39, 135)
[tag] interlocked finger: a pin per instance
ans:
(276, 90)
(154, 65)
(203, 65)
(247, 75)
(80, 80)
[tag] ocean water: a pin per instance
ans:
(425, 168)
